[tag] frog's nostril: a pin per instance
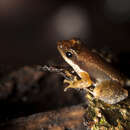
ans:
(59, 44)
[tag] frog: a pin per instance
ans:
(93, 70)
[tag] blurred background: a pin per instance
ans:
(30, 29)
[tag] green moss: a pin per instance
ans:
(106, 116)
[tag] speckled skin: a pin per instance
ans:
(91, 67)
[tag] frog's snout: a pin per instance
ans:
(59, 45)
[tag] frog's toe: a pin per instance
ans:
(70, 84)
(67, 88)
(68, 81)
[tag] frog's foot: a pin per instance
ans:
(75, 83)
(68, 74)
(89, 95)
(71, 83)
(68, 87)
(89, 91)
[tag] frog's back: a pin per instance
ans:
(98, 68)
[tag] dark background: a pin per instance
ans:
(30, 29)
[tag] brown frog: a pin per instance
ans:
(93, 70)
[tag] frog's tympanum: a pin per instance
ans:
(93, 71)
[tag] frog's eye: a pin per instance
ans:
(69, 54)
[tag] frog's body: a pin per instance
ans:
(93, 70)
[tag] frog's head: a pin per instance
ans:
(71, 51)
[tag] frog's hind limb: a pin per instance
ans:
(110, 92)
